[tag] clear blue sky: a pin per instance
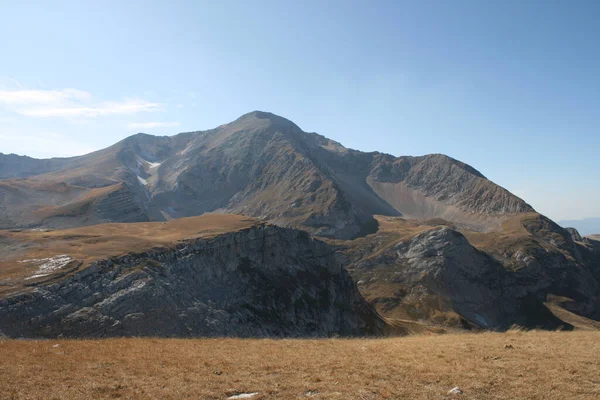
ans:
(510, 87)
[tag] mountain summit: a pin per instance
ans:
(260, 165)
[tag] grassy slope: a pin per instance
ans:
(535, 365)
(89, 244)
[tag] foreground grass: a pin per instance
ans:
(513, 365)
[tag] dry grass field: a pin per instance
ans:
(512, 365)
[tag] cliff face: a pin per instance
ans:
(258, 282)
(438, 275)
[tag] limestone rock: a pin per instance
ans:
(264, 281)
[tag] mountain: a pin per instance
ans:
(587, 226)
(431, 243)
(260, 165)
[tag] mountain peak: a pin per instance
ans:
(265, 116)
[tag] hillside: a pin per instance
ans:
(514, 365)
(424, 273)
(260, 165)
(215, 275)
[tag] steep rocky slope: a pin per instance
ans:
(260, 165)
(202, 276)
(428, 271)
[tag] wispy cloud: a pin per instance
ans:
(43, 144)
(69, 103)
(151, 125)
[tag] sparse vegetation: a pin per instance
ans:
(512, 365)
(87, 244)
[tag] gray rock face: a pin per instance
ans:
(258, 282)
(451, 182)
(574, 234)
(441, 264)
(439, 271)
(445, 263)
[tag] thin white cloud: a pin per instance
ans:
(69, 103)
(43, 144)
(28, 97)
(126, 107)
(151, 125)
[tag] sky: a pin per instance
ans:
(509, 87)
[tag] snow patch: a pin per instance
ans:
(141, 162)
(47, 265)
(154, 164)
(142, 181)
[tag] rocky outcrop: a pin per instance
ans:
(263, 281)
(574, 234)
(443, 263)
(440, 277)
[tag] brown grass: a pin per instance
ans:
(88, 244)
(77, 207)
(513, 365)
(513, 234)
(391, 230)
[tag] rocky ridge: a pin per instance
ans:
(473, 279)
(263, 281)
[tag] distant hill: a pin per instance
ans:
(587, 226)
